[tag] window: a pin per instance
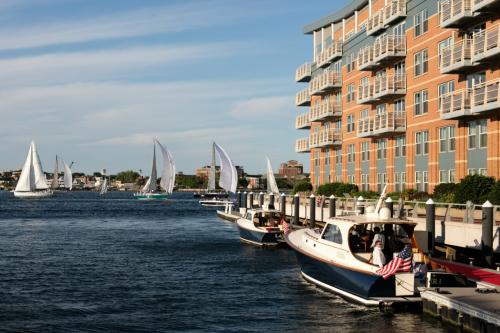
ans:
(400, 147)
(483, 172)
(399, 68)
(443, 176)
(478, 136)
(381, 181)
(365, 151)
(399, 29)
(452, 176)
(365, 182)
(338, 155)
(483, 135)
(350, 179)
(472, 134)
(350, 123)
(399, 106)
(421, 105)
(350, 153)
(332, 233)
(447, 139)
(421, 63)
(350, 63)
(350, 92)
(327, 157)
(422, 143)
(316, 158)
(425, 175)
(400, 180)
(381, 149)
(422, 181)
(362, 26)
(471, 172)
(441, 46)
(338, 178)
(420, 22)
(443, 89)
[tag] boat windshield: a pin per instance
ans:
(267, 219)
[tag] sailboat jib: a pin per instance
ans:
(55, 178)
(150, 185)
(40, 180)
(32, 181)
(228, 175)
(104, 186)
(272, 187)
(68, 177)
(168, 175)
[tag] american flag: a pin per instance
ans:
(286, 227)
(402, 263)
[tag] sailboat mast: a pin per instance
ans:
(211, 178)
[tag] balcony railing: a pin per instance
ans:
(365, 93)
(325, 110)
(456, 57)
(375, 23)
(365, 127)
(396, 10)
(325, 138)
(388, 123)
(455, 105)
(302, 145)
(332, 52)
(453, 13)
(485, 96)
(325, 82)
(302, 98)
(303, 73)
(486, 44)
(302, 121)
(386, 86)
(388, 48)
(479, 5)
(365, 58)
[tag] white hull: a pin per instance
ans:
(38, 194)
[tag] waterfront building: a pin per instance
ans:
(402, 92)
(204, 171)
(290, 169)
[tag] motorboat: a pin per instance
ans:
(261, 227)
(215, 202)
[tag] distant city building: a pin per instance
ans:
(253, 182)
(204, 171)
(290, 169)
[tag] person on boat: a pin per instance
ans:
(389, 241)
(378, 256)
(355, 240)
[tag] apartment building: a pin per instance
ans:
(403, 93)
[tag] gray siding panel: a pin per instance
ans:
(350, 169)
(447, 161)
(399, 164)
(335, 17)
(381, 166)
(365, 167)
(476, 158)
(422, 163)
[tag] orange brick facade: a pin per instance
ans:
(417, 84)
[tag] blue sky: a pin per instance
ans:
(95, 80)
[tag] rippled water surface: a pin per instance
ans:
(76, 262)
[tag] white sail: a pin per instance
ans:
(228, 175)
(211, 176)
(68, 177)
(150, 185)
(40, 180)
(26, 181)
(168, 175)
(55, 179)
(272, 187)
(104, 186)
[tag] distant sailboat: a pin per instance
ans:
(32, 182)
(149, 190)
(104, 186)
(68, 177)
(272, 187)
(55, 179)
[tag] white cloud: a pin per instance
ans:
(263, 107)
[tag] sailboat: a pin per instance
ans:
(68, 176)
(55, 179)
(272, 187)
(104, 186)
(149, 190)
(228, 177)
(32, 182)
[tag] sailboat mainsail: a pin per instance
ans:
(211, 176)
(68, 176)
(32, 181)
(272, 187)
(104, 186)
(150, 185)
(228, 175)
(168, 175)
(55, 179)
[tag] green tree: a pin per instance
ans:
(475, 188)
(242, 182)
(128, 176)
(302, 187)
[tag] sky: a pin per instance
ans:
(94, 81)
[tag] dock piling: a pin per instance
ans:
(250, 199)
(296, 202)
(389, 204)
(271, 201)
(430, 224)
(261, 200)
(312, 211)
(283, 204)
(487, 232)
(333, 206)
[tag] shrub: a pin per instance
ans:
(328, 189)
(420, 196)
(368, 194)
(395, 195)
(475, 188)
(445, 192)
(494, 195)
(302, 187)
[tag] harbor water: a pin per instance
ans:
(77, 262)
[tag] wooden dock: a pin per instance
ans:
(472, 309)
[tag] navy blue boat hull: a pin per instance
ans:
(260, 237)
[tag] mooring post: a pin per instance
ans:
(430, 224)
(360, 205)
(250, 199)
(401, 208)
(244, 200)
(333, 206)
(261, 200)
(238, 195)
(271, 201)
(312, 211)
(296, 203)
(487, 233)
(389, 204)
(283, 204)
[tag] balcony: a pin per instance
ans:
(456, 57)
(325, 138)
(302, 98)
(326, 110)
(365, 126)
(303, 73)
(486, 44)
(365, 59)
(389, 123)
(481, 5)
(395, 11)
(365, 94)
(389, 48)
(302, 121)
(330, 54)
(388, 86)
(455, 105)
(455, 13)
(302, 146)
(485, 97)
(325, 82)
(375, 23)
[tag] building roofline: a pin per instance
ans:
(335, 17)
